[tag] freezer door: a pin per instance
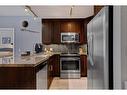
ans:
(100, 50)
(97, 35)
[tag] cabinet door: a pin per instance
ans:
(50, 72)
(70, 26)
(56, 65)
(83, 59)
(83, 33)
(47, 32)
(76, 26)
(65, 26)
(56, 32)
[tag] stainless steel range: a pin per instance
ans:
(70, 65)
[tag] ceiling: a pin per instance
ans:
(63, 11)
(14, 11)
(48, 11)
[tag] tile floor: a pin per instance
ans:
(79, 84)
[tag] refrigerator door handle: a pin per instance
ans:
(91, 60)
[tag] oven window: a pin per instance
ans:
(70, 65)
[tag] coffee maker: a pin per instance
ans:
(38, 47)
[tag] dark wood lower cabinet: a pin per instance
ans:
(56, 65)
(22, 77)
(50, 71)
(53, 68)
(83, 60)
(17, 78)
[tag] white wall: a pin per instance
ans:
(117, 47)
(120, 46)
(123, 44)
(23, 40)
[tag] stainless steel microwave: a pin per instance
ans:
(69, 37)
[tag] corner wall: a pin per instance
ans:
(120, 46)
(23, 40)
(124, 45)
(117, 47)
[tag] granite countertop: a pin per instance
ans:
(26, 61)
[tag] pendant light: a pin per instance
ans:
(28, 8)
(71, 10)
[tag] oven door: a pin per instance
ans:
(70, 67)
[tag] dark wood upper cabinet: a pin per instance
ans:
(56, 32)
(50, 31)
(70, 26)
(52, 28)
(97, 9)
(47, 32)
(75, 25)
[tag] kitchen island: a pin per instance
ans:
(22, 72)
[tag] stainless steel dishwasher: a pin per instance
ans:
(41, 76)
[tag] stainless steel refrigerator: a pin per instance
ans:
(100, 60)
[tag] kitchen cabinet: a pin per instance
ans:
(56, 65)
(74, 25)
(17, 77)
(50, 71)
(53, 68)
(56, 32)
(26, 76)
(50, 31)
(47, 32)
(70, 26)
(52, 28)
(83, 33)
(83, 60)
(97, 9)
